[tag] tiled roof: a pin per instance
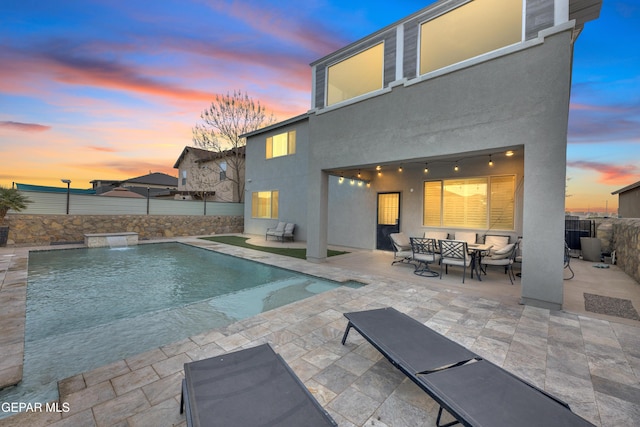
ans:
(155, 178)
(206, 155)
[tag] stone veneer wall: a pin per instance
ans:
(622, 235)
(47, 229)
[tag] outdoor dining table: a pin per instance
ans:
(476, 250)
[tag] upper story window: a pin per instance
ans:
(223, 171)
(470, 30)
(359, 74)
(283, 144)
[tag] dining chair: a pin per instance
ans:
(454, 252)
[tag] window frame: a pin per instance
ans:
(327, 94)
(273, 204)
(491, 218)
(290, 144)
(423, 67)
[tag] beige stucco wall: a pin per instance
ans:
(205, 176)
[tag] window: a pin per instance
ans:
(223, 171)
(473, 29)
(485, 203)
(362, 73)
(283, 144)
(264, 204)
(184, 177)
(388, 208)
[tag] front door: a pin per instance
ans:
(388, 219)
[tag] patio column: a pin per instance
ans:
(543, 227)
(317, 215)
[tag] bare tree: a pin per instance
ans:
(227, 118)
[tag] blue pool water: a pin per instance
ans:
(90, 307)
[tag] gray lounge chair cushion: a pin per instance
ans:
(249, 387)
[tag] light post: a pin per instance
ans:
(68, 182)
(147, 200)
(205, 203)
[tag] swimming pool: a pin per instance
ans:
(90, 307)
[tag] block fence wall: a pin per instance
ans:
(622, 235)
(48, 229)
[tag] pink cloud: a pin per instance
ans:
(610, 174)
(24, 127)
(102, 149)
(308, 34)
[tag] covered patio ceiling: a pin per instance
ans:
(366, 171)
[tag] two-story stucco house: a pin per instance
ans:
(454, 118)
(220, 174)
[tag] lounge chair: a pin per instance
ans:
(474, 391)
(401, 248)
(496, 242)
(276, 232)
(251, 387)
(425, 253)
(283, 231)
(288, 231)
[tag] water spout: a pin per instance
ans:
(117, 242)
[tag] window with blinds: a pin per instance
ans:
(502, 202)
(432, 203)
(484, 203)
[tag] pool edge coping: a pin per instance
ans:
(13, 288)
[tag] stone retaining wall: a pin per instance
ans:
(48, 229)
(622, 235)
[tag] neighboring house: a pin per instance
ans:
(629, 201)
(156, 184)
(454, 118)
(213, 172)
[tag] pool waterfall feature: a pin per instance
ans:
(112, 240)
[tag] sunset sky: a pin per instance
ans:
(108, 89)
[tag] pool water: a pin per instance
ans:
(90, 307)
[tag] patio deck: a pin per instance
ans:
(590, 360)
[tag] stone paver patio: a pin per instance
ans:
(590, 361)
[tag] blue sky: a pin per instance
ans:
(104, 89)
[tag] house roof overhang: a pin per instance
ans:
(292, 120)
(627, 188)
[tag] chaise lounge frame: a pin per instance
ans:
(249, 387)
(473, 390)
